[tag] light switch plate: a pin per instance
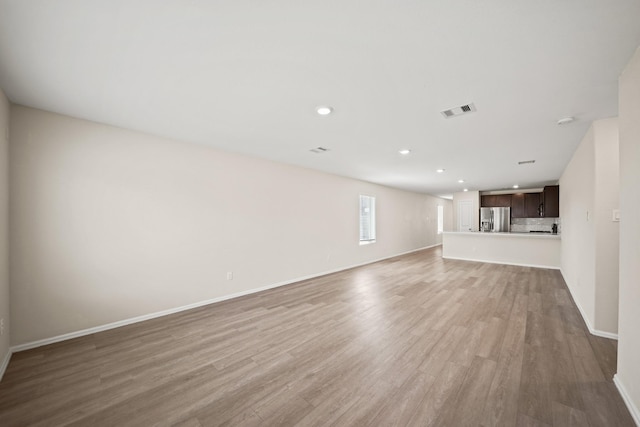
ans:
(616, 215)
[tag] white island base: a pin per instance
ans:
(525, 249)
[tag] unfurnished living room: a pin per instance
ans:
(243, 213)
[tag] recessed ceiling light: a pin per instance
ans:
(324, 110)
(466, 189)
(461, 181)
(404, 152)
(516, 186)
(440, 170)
(565, 120)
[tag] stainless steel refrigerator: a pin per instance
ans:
(495, 219)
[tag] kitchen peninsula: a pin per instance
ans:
(527, 249)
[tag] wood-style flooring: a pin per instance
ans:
(411, 341)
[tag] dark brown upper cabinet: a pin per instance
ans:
(503, 201)
(487, 201)
(532, 205)
(496, 201)
(527, 205)
(551, 201)
(517, 206)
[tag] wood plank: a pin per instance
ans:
(527, 421)
(440, 396)
(534, 399)
(471, 396)
(568, 416)
(501, 408)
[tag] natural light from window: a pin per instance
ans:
(367, 219)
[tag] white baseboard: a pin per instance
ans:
(592, 330)
(113, 325)
(633, 409)
(503, 263)
(5, 363)
(603, 334)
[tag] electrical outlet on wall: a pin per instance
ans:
(229, 275)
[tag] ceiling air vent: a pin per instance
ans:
(319, 150)
(526, 162)
(458, 111)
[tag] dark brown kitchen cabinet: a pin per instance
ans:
(517, 206)
(503, 201)
(551, 201)
(533, 205)
(488, 201)
(496, 201)
(527, 205)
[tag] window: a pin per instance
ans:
(367, 219)
(440, 219)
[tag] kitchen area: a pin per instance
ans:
(506, 227)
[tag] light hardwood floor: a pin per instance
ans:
(414, 340)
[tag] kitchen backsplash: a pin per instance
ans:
(524, 225)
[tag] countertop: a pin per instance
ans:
(512, 234)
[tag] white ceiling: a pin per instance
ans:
(246, 76)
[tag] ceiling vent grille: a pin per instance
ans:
(526, 162)
(319, 150)
(458, 111)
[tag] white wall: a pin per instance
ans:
(589, 193)
(578, 228)
(628, 376)
(448, 215)
(4, 238)
(607, 199)
(542, 251)
(109, 224)
(474, 197)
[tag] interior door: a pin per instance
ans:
(465, 215)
